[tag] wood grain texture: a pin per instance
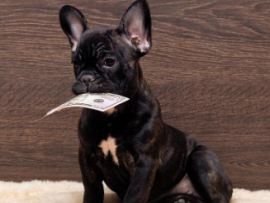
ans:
(209, 67)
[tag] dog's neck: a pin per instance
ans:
(138, 90)
(134, 85)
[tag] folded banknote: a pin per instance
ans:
(97, 101)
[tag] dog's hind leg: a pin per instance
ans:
(208, 177)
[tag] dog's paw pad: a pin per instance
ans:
(181, 201)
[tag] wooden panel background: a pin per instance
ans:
(209, 67)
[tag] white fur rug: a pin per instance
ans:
(72, 192)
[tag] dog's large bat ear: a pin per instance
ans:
(73, 24)
(136, 26)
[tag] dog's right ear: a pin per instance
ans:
(136, 26)
(73, 24)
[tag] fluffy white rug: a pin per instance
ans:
(72, 192)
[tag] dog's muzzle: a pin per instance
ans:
(87, 78)
(87, 83)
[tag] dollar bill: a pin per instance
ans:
(99, 101)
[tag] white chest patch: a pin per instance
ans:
(109, 145)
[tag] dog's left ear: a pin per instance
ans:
(136, 26)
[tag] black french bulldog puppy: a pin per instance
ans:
(129, 147)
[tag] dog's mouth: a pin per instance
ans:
(95, 86)
(80, 87)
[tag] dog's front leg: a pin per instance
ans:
(92, 180)
(142, 180)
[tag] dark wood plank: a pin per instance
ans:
(209, 67)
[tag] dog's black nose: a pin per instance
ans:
(87, 78)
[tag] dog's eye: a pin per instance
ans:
(109, 63)
(76, 66)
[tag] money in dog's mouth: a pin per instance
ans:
(100, 102)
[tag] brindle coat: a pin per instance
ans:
(130, 148)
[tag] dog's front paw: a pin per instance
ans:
(92, 200)
(181, 201)
(181, 198)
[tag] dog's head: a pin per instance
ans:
(106, 59)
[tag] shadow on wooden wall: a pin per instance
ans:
(209, 67)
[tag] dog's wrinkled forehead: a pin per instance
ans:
(96, 41)
(100, 43)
